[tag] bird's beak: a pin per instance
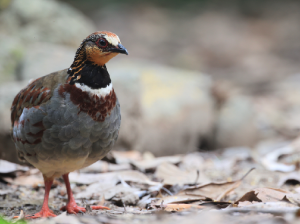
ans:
(119, 49)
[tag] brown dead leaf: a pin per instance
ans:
(215, 191)
(181, 207)
(179, 199)
(172, 175)
(31, 180)
(215, 204)
(292, 198)
(264, 195)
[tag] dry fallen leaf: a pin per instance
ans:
(215, 191)
(95, 189)
(172, 175)
(279, 205)
(127, 175)
(270, 161)
(102, 166)
(179, 199)
(126, 156)
(31, 180)
(264, 195)
(8, 167)
(291, 179)
(89, 178)
(181, 207)
(145, 165)
(124, 195)
(5, 191)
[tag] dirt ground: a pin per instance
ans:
(227, 186)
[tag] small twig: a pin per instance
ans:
(198, 174)
(162, 204)
(21, 216)
(124, 205)
(234, 186)
(253, 168)
(166, 190)
(86, 206)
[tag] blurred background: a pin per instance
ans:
(200, 75)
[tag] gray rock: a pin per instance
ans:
(236, 123)
(47, 21)
(165, 110)
(44, 58)
(11, 55)
(7, 93)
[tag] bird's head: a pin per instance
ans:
(101, 46)
(88, 67)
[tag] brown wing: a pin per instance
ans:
(36, 93)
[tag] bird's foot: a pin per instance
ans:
(73, 208)
(99, 207)
(44, 213)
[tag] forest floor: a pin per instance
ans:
(227, 186)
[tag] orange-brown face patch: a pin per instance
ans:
(96, 107)
(97, 56)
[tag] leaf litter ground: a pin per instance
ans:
(227, 186)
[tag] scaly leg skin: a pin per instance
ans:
(45, 211)
(71, 206)
(99, 207)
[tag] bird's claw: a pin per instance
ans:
(73, 208)
(44, 213)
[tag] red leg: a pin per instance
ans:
(45, 211)
(72, 207)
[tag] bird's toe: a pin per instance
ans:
(73, 209)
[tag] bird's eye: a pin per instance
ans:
(102, 43)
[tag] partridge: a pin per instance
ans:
(69, 119)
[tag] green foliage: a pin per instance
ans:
(3, 221)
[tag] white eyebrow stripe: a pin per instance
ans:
(112, 40)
